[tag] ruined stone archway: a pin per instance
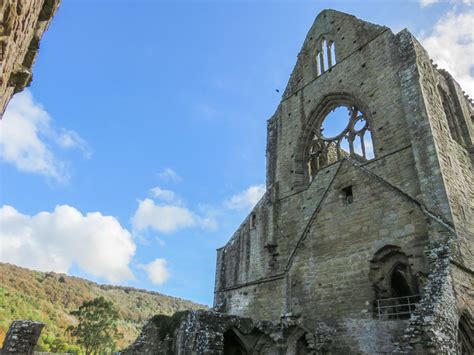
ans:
(390, 273)
(396, 288)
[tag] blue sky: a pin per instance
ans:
(140, 146)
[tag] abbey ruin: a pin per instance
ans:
(363, 242)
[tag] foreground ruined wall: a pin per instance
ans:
(213, 333)
(22, 337)
(22, 24)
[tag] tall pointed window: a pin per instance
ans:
(325, 56)
(332, 53)
(325, 51)
(319, 63)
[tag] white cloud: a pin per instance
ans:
(25, 133)
(157, 271)
(162, 194)
(54, 241)
(170, 175)
(69, 139)
(246, 199)
(425, 3)
(167, 218)
(451, 46)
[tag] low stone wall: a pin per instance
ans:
(22, 337)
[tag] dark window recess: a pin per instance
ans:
(253, 221)
(347, 195)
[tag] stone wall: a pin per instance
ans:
(453, 154)
(22, 337)
(22, 24)
(213, 333)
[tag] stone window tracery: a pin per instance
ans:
(343, 132)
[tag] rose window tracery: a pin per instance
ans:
(343, 132)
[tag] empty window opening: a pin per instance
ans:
(399, 285)
(332, 51)
(347, 195)
(233, 345)
(335, 122)
(345, 145)
(325, 55)
(253, 221)
(319, 63)
(400, 294)
(317, 158)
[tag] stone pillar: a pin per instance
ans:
(22, 337)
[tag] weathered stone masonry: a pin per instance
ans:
(22, 24)
(22, 337)
(363, 247)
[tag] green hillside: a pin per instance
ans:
(49, 297)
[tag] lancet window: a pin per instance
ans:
(325, 56)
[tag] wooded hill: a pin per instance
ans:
(49, 297)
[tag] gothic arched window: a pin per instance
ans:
(325, 56)
(343, 132)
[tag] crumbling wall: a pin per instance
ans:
(157, 335)
(433, 326)
(22, 24)
(22, 337)
(213, 333)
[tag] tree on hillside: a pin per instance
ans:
(49, 343)
(96, 330)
